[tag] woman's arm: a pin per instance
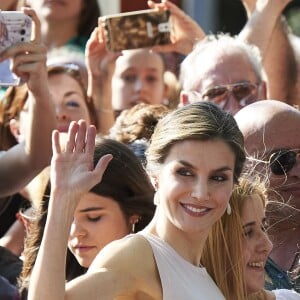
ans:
(267, 29)
(24, 161)
(100, 65)
(72, 174)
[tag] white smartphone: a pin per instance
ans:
(15, 27)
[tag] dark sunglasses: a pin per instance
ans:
(282, 161)
(244, 92)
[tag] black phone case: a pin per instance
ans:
(139, 29)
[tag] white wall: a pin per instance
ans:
(204, 12)
(109, 6)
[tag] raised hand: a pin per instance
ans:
(99, 61)
(72, 169)
(185, 32)
(100, 65)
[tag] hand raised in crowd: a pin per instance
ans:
(33, 152)
(99, 61)
(100, 66)
(185, 32)
(72, 169)
(29, 58)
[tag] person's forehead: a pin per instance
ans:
(284, 132)
(218, 67)
(253, 209)
(139, 59)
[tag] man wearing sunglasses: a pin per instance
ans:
(224, 70)
(272, 138)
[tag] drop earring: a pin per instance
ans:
(228, 210)
(135, 221)
(133, 227)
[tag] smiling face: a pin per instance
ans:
(97, 221)
(69, 100)
(195, 183)
(138, 77)
(256, 245)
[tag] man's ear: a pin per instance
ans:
(262, 90)
(184, 99)
(14, 127)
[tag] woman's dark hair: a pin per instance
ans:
(125, 181)
(89, 17)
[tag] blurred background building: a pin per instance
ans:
(212, 15)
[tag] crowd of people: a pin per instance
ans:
(121, 179)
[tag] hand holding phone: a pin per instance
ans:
(186, 32)
(15, 27)
(137, 29)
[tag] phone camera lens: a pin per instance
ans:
(22, 31)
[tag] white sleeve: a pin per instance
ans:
(283, 294)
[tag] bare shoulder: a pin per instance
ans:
(129, 261)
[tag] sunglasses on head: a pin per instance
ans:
(283, 160)
(244, 92)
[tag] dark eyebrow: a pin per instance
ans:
(88, 209)
(187, 164)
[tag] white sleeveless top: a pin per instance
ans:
(283, 294)
(180, 279)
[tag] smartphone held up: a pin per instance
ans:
(137, 29)
(15, 27)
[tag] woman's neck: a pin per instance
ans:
(262, 295)
(188, 245)
(57, 34)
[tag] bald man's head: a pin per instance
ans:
(272, 128)
(268, 125)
